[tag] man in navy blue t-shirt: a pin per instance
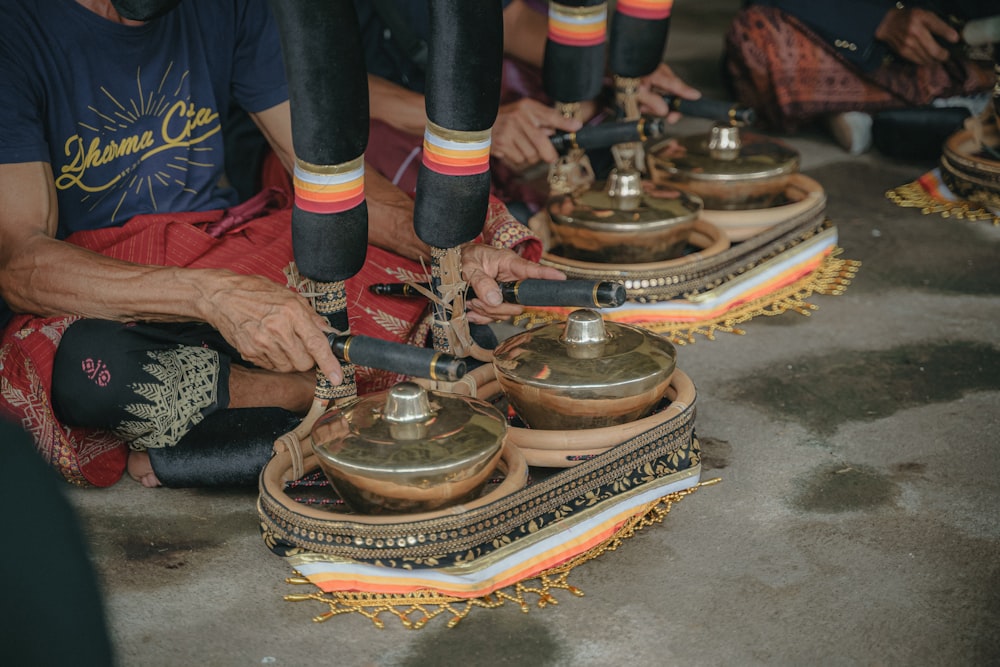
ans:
(106, 117)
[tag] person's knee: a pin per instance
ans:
(86, 362)
(147, 383)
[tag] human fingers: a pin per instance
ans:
(523, 269)
(936, 31)
(663, 81)
(481, 313)
(912, 34)
(483, 266)
(481, 260)
(290, 340)
(531, 142)
(551, 118)
(509, 141)
(272, 326)
(523, 130)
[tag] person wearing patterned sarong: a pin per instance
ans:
(138, 298)
(800, 63)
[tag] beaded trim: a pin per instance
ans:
(329, 297)
(915, 195)
(416, 610)
(456, 153)
(652, 10)
(578, 26)
(329, 189)
(831, 277)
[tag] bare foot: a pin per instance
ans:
(257, 388)
(141, 470)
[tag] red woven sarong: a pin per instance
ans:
(253, 238)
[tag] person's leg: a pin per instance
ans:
(151, 384)
(257, 388)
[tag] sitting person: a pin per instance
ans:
(118, 241)
(799, 63)
(393, 31)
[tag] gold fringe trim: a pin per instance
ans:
(415, 610)
(913, 195)
(831, 277)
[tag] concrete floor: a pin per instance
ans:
(856, 524)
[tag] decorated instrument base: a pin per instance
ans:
(966, 183)
(516, 543)
(719, 285)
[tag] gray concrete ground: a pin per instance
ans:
(856, 524)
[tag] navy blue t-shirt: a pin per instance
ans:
(129, 117)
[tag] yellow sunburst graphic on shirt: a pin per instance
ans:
(129, 132)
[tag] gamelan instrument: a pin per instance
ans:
(970, 164)
(678, 220)
(408, 360)
(584, 372)
(618, 219)
(429, 492)
(461, 101)
(329, 109)
(605, 135)
(722, 111)
(409, 449)
(727, 168)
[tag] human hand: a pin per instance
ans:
(271, 326)
(662, 81)
(912, 34)
(522, 130)
(483, 266)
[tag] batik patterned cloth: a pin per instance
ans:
(791, 76)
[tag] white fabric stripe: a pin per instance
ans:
(463, 146)
(329, 179)
(745, 283)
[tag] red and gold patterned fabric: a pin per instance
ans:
(253, 238)
(791, 76)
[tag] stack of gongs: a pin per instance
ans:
(665, 219)
(748, 182)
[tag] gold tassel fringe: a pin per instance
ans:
(913, 195)
(415, 610)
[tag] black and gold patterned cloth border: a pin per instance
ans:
(417, 608)
(289, 528)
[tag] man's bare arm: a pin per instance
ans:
(524, 32)
(390, 210)
(269, 325)
(396, 106)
